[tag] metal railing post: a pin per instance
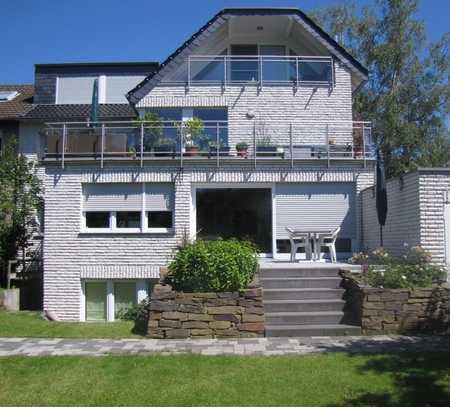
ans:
(291, 146)
(63, 143)
(225, 71)
(181, 143)
(296, 71)
(260, 72)
(217, 144)
(364, 143)
(328, 145)
(189, 72)
(102, 146)
(142, 145)
(254, 143)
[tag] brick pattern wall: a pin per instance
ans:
(66, 250)
(309, 109)
(402, 223)
(433, 187)
(207, 315)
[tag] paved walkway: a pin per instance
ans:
(257, 346)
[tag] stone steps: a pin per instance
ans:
(303, 305)
(312, 330)
(302, 282)
(304, 318)
(303, 293)
(304, 301)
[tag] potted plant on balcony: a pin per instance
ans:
(164, 147)
(224, 150)
(153, 130)
(265, 147)
(242, 149)
(192, 131)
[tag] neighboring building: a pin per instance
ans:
(121, 197)
(15, 101)
(418, 214)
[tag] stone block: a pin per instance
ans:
(233, 295)
(156, 333)
(252, 293)
(220, 324)
(163, 295)
(254, 310)
(374, 298)
(177, 333)
(217, 302)
(394, 296)
(155, 315)
(162, 306)
(391, 328)
(373, 305)
(251, 327)
(169, 323)
(370, 312)
(205, 295)
(247, 302)
(201, 332)
(226, 309)
(153, 323)
(232, 332)
(372, 323)
(180, 316)
(252, 318)
(200, 317)
(393, 306)
(194, 308)
(387, 316)
(195, 325)
(228, 317)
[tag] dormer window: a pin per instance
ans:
(6, 96)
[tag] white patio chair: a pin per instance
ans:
(299, 240)
(329, 240)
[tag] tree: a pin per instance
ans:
(20, 200)
(407, 96)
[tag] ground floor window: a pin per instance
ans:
(241, 213)
(107, 300)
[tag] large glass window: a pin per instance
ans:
(97, 220)
(159, 219)
(95, 293)
(124, 297)
(128, 220)
(245, 67)
(214, 119)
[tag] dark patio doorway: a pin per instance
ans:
(242, 213)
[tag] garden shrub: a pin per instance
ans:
(413, 269)
(216, 266)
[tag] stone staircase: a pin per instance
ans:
(302, 300)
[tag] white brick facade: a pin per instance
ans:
(70, 255)
(415, 213)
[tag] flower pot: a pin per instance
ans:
(223, 152)
(242, 153)
(192, 151)
(266, 151)
(164, 151)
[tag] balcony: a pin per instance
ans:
(260, 70)
(210, 142)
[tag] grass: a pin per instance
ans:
(30, 324)
(331, 380)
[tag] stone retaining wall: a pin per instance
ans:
(207, 315)
(399, 311)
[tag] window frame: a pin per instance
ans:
(143, 229)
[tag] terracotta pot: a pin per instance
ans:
(242, 153)
(191, 151)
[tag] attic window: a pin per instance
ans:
(6, 96)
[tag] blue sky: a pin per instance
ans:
(51, 31)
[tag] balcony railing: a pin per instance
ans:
(171, 140)
(261, 70)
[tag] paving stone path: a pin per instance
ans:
(253, 346)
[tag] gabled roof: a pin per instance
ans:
(20, 104)
(80, 112)
(145, 86)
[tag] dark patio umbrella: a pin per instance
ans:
(93, 116)
(381, 195)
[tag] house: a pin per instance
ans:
(251, 130)
(15, 100)
(418, 214)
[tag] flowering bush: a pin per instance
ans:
(413, 269)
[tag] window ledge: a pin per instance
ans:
(152, 231)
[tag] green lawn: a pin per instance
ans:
(29, 323)
(331, 380)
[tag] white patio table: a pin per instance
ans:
(314, 234)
